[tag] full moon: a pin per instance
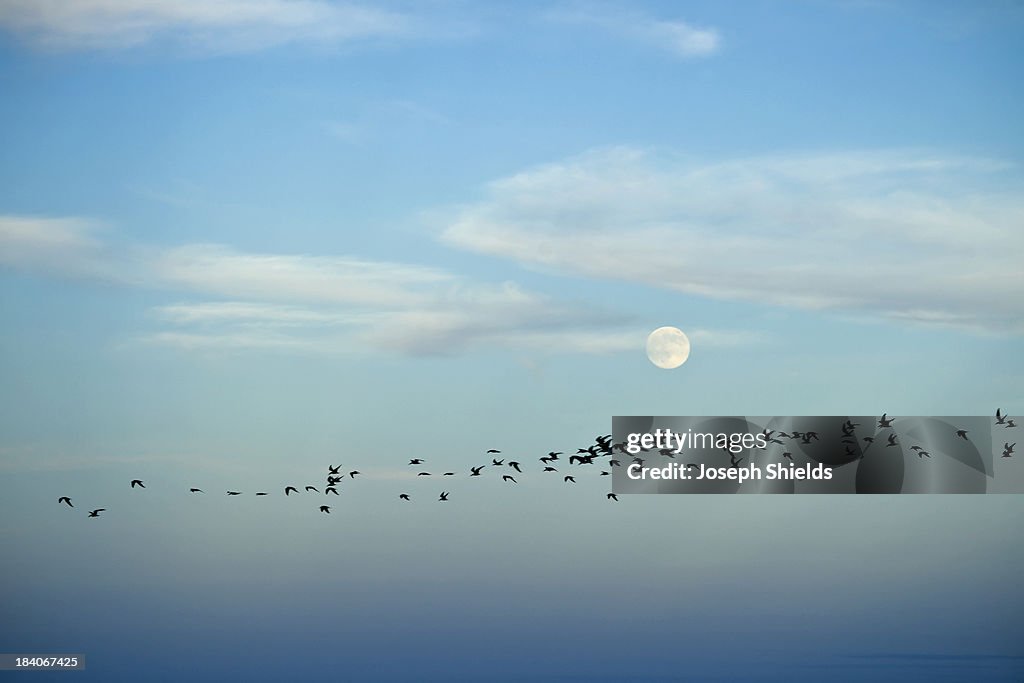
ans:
(668, 347)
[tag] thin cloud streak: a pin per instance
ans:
(222, 26)
(676, 37)
(901, 235)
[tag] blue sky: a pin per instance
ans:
(239, 241)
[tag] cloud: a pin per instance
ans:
(316, 304)
(933, 239)
(223, 26)
(676, 37)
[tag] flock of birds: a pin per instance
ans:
(601, 448)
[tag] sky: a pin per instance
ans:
(242, 241)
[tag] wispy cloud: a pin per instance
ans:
(223, 26)
(933, 239)
(675, 36)
(318, 304)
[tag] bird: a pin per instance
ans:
(962, 433)
(1000, 419)
(448, 474)
(331, 489)
(883, 422)
(892, 440)
(615, 463)
(1007, 450)
(353, 473)
(569, 478)
(444, 497)
(923, 454)
(423, 474)
(788, 455)
(97, 511)
(476, 470)
(261, 493)
(497, 463)
(312, 488)
(612, 496)
(234, 493)
(604, 474)
(289, 489)
(65, 499)
(514, 465)
(195, 490)
(1010, 424)
(325, 508)
(137, 482)
(416, 461)
(493, 450)
(550, 469)
(334, 470)
(403, 496)
(509, 477)
(554, 454)
(915, 447)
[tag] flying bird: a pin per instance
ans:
(444, 497)
(423, 474)
(65, 499)
(96, 512)
(312, 488)
(962, 433)
(234, 493)
(612, 496)
(1000, 418)
(331, 489)
(416, 461)
(195, 490)
(476, 470)
(493, 450)
(509, 477)
(289, 489)
(1007, 450)
(137, 482)
(788, 455)
(448, 474)
(883, 422)
(497, 463)
(261, 493)
(569, 478)
(514, 465)
(403, 496)
(353, 473)
(334, 470)
(892, 441)
(550, 469)
(325, 508)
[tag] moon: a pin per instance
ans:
(668, 347)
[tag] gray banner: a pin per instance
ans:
(823, 454)
(41, 662)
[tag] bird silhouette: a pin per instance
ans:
(313, 489)
(331, 489)
(444, 497)
(883, 422)
(514, 465)
(423, 474)
(334, 470)
(1000, 419)
(493, 450)
(234, 493)
(137, 482)
(962, 433)
(195, 490)
(509, 477)
(550, 469)
(787, 455)
(476, 470)
(97, 511)
(892, 441)
(416, 461)
(1010, 424)
(325, 508)
(923, 454)
(1007, 450)
(567, 478)
(353, 473)
(403, 496)
(497, 463)
(261, 493)
(65, 499)
(288, 490)
(612, 496)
